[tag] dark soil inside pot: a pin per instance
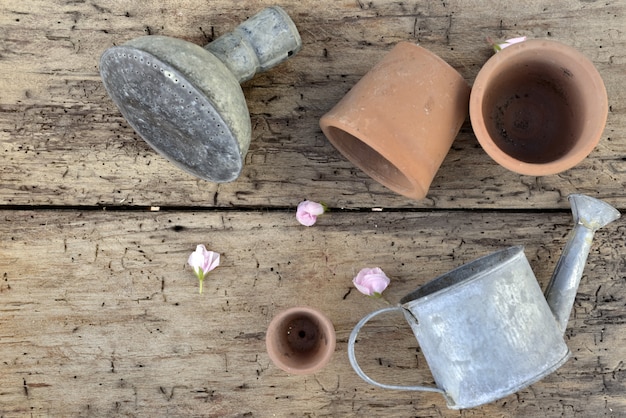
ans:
(302, 339)
(533, 116)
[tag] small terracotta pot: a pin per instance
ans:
(300, 340)
(538, 107)
(398, 122)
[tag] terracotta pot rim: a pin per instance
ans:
(593, 130)
(326, 327)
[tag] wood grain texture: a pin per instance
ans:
(63, 142)
(101, 317)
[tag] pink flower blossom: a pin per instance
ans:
(203, 261)
(371, 281)
(308, 211)
(498, 46)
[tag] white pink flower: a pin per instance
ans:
(371, 281)
(308, 211)
(203, 261)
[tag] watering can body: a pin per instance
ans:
(485, 328)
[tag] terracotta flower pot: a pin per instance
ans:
(538, 107)
(300, 340)
(398, 122)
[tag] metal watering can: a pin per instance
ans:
(485, 328)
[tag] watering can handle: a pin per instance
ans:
(361, 373)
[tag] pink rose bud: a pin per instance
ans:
(203, 261)
(308, 212)
(371, 281)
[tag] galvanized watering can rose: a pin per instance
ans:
(186, 101)
(485, 328)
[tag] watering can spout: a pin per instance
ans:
(589, 215)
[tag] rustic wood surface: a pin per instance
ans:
(99, 314)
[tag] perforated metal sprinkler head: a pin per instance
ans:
(186, 101)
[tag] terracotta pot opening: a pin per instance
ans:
(534, 115)
(300, 340)
(369, 160)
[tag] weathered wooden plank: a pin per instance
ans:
(100, 316)
(64, 143)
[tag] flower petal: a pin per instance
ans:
(203, 261)
(371, 281)
(501, 45)
(212, 261)
(196, 259)
(308, 211)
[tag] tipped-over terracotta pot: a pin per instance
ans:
(300, 340)
(538, 107)
(398, 122)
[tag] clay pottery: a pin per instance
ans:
(300, 340)
(538, 107)
(398, 122)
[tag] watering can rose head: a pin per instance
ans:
(203, 261)
(308, 211)
(371, 281)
